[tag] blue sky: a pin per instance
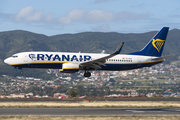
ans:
(52, 17)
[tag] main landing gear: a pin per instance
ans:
(87, 74)
(21, 72)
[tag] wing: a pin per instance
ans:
(96, 63)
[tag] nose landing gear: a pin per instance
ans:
(87, 74)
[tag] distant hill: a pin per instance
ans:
(19, 41)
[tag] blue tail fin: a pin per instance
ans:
(155, 45)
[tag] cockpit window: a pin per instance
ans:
(14, 56)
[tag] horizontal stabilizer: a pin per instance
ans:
(161, 58)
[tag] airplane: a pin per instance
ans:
(68, 62)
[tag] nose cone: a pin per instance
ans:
(7, 61)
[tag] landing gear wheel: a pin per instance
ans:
(87, 74)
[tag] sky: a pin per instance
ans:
(54, 17)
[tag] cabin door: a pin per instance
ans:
(25, 58)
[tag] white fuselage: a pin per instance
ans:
(54, 60)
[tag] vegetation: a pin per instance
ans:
(93, 104)
(93, 91)
(72, 93)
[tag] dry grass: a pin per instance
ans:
(97, 104)
(90, 118)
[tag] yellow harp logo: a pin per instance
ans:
(158, 43)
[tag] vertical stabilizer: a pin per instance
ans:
(155, 45)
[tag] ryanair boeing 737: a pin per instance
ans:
(73, 62)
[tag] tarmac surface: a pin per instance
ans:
(89, 111)
(90, 99)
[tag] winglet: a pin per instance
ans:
(119, 49)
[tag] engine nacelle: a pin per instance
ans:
(69, 68)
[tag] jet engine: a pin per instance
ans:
(69, 68)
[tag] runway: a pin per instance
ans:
(90, 99)
(89, 111)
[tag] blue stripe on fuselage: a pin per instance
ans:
(109, 66)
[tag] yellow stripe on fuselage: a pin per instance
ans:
(71, 68)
